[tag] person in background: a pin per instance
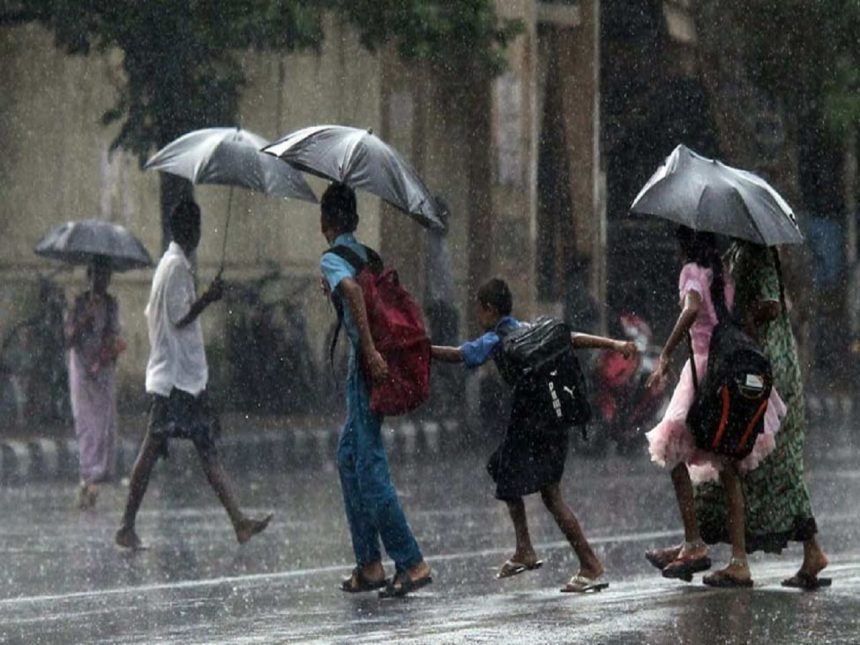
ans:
(176, 378)
(92, 330)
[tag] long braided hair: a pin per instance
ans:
(701, 247)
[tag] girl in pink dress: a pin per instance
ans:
(706, 296)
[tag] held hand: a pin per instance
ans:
(324, 287)
(627, 349)
(215, 291)
(659, 374)
(377, 366)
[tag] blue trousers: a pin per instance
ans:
(372, 507)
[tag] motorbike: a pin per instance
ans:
(624, 408)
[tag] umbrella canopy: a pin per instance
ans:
(361, 160)
(230, 157)
(707, 195)
(82, 242)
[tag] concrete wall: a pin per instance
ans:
(473, 140)
(56, 167)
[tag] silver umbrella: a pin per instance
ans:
(361, 160)
(706, 195)
(82, 242)
(230, 157)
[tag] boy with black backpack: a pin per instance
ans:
(532, 454)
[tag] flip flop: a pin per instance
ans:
(723, 580)
(512, 568)
(662, 558)
(406, 585)
(683, 568)
(358, 582)
(584, 584)
(806, 581)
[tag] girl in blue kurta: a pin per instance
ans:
(372, 508)
(531, 456)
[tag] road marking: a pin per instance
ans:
(296, 573)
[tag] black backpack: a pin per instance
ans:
(538, 361)
(728, 411)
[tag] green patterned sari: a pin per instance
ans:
(777, 500)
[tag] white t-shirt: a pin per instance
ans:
(177, 358)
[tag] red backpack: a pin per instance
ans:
(397, 328)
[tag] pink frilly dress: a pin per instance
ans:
(671, 442)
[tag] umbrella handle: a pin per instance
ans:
(226, 231)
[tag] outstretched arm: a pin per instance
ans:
(587, 341)
(445, 354)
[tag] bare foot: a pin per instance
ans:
(814, 561)
(661, 558)
(694, 553)
(737, 574)
(127, 539)
(528, 558)
(592, 570)
(247, 528)
(373, 571)
(419, 571)
(737, 570)
(87, 495)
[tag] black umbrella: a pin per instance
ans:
(361, 160)
(706, 195)
(82, 242)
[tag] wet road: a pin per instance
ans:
(62, 581)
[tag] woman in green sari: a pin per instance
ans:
(778, 509)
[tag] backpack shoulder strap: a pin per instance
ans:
(374, 261)
(692, 362)
(354, 259)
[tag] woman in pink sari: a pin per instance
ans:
(92, 336)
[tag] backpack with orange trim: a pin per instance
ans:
(728, 411)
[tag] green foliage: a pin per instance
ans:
(806, 52)
(453, 35)
(181, 61)
(179, 57)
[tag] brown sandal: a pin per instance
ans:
(357, 582)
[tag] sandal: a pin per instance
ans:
(583, 584)
(512, 568)
(684, 567)
(358, 582)
(402, 584)
(662, 558)
(806, 581)
(726, 581)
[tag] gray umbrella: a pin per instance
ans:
(707, 195)
(230, 157)
(82, 242)
(361, 160)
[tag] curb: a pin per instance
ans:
(43, 459)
